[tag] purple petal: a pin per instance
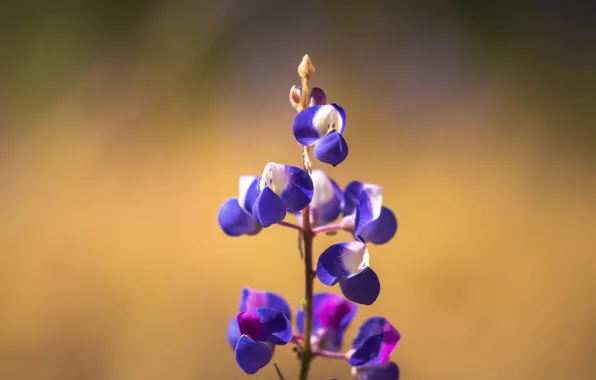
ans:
(292, 184)
(351, 195)
(251, 356)
(316, 122)
(233, 332)
(265, 324)
(369, 207)
(234, 221)
(386, 371)
(363, 288)
(253, 299)
(340, 261)
(333, 311)
(299, 192)
(380, 230)
(332, 314)
(331, 149)
(268, 208)
(374, 342)
(317, 97)
(249, 191)
(327, 200)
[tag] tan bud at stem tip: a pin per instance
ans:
(306, 68)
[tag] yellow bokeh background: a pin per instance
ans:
(113, 266)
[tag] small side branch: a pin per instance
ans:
(326, 229)
(290, 225)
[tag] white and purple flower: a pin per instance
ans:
(261, 330)
(258, 323)
(332, 314)
(322, 125)
(327, 200)
(371, 348)
(235, 215)
(282, 188)
(348, 264)
(365, 215)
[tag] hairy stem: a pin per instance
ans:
(305, 70)
(307, 236)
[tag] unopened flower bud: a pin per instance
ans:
(317, 97)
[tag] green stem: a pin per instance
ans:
(307, 236)
(305, 71)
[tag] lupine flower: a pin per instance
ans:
(322, 125)
(347, 264)
(282, 188)
(332, 314)
(327, 201)
(261, 330)
(235, 215)
(251, 299)
(375, 341)
(387, 371)
(365, 215)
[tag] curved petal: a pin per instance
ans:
(265, 324)
(327, 200)
(299, 192)
(249, 191)
(333, 311)
(268, 208)
(351, 195)
(251, 356)
(292, 184)
(315, 122)
(332, 314)
(233, 333)
(331, 149)
(363, 288)
(380, 230)
(369, 207)
(253, 299)
(375, 341)
(234, 221)
(386, 371)
(340, 261)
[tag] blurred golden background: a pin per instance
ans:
(125, 125)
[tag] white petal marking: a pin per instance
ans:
(245, 182)
(276, 177)
(355, 257)
(323, 189)
(375, 194)
(327, 119)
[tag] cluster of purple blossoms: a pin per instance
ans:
(265, 319)
(264, 322)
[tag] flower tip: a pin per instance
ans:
(306, 68)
